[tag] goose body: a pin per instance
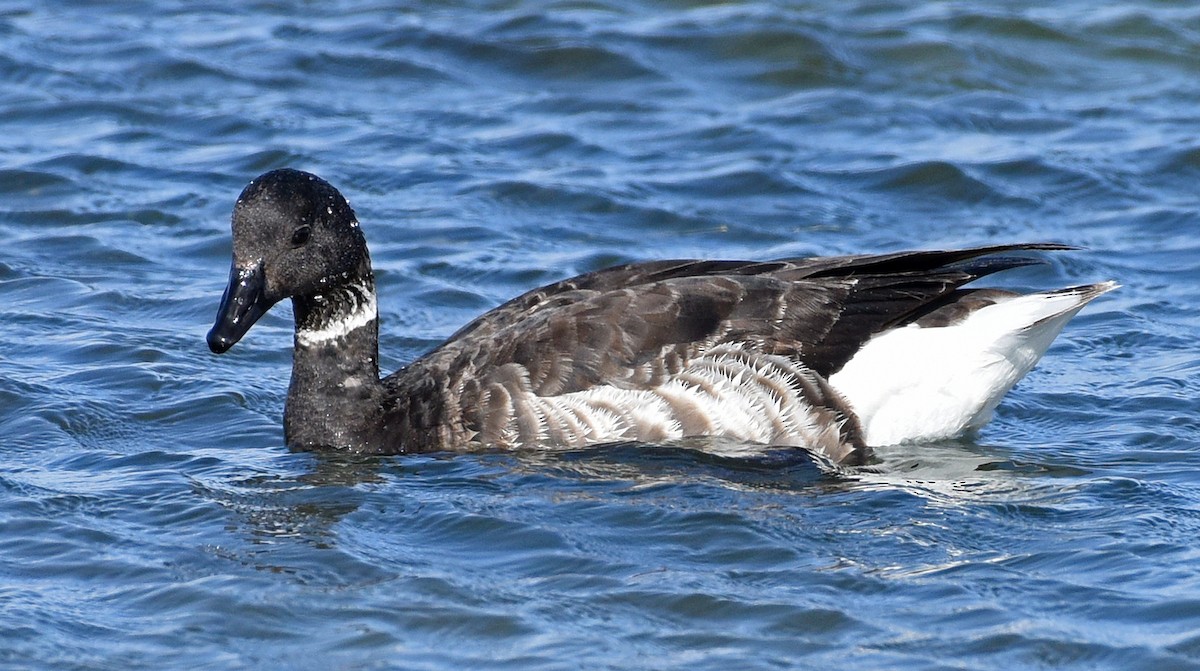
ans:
(831, 354)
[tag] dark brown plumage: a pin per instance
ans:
(555, 365)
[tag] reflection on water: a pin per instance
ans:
(966, 472)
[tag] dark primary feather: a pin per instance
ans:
(635, 274)
(836, 303)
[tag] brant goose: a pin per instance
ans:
(834, 355)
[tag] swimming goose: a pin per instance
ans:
(835, 355)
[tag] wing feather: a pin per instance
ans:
(634, 325)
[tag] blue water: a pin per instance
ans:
(151, 518)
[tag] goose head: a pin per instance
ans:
(294, 236)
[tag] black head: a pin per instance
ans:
(294, 235)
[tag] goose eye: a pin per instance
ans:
(301, 235)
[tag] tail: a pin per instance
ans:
(919, 383)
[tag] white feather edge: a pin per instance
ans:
(742, 395)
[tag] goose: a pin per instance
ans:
(834, 355)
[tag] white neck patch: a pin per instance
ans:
(365, 311)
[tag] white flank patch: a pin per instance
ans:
(916, 384)
(365, 312)
(728, 391)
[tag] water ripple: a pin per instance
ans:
(150, 516)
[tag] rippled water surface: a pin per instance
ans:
(150, 516)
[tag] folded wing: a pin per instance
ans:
(608, 338)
